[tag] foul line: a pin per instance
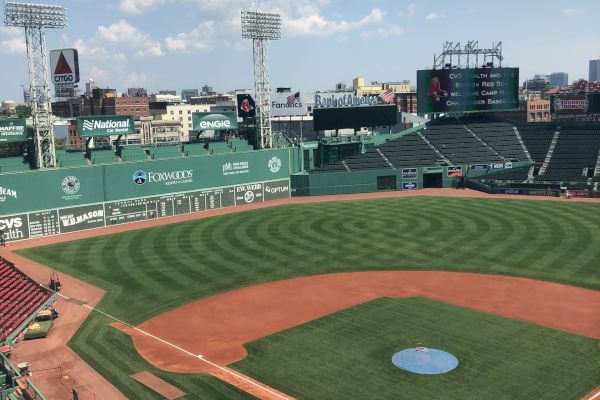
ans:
(594, 396)
(198, 356)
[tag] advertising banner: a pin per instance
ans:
(480, 167)
(575, 103)
(64, 66)
(454, 171)
(221, 121)
(409, 185)
(474, 89)
(78, 218)
(409, 173)
(246, 107)
(151, 178)
(105, 125)
(340, 99)
(14, 227)
(277, 190)
(13, 130)
(511, 191)
(288, 104)
(39, 190)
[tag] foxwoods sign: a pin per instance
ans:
(105, 125)
(344, 100)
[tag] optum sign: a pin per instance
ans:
(202, 121)
(105, 125)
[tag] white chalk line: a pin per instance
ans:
(198, 356)
(594, 396)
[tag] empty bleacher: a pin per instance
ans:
(537, 139)
(451, 138)
(499, 135)
(575, 153)
(409, 151)
(104, 156)
(158, 152)
(70, 158)
(20, 298)
(194, 149)
(133, 153)
(513, 175)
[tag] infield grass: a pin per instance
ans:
(147, 272)
(347, 355)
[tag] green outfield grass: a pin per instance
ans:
(347, 355)
(149, 271)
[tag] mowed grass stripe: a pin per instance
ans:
(348, 355)
(228, 251)
(149, 271)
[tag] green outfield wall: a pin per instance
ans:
(48, 202)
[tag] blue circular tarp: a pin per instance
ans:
(422, 360)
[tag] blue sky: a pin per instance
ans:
(176, 44)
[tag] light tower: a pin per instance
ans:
(34, 18)
(262, 27)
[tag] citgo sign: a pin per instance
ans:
(202, 121)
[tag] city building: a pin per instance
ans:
(182, 114)
(398, 87)
(537, 83)
(407, 102)
(341, 87)
(137, 92)
(538, 110)
(90, 86)
(168, 92)
(594, 70)
(208, 90)
(525, 95)
(166, 98)
(559, 79)
(361, 89)
(187, 94)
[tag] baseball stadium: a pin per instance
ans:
(455, 259)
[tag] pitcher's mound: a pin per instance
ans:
(422, 360)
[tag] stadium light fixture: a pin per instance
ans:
(35, 18)
(261, 27)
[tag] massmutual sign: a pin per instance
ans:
(105, 125)
(203, 121)
(12, 130)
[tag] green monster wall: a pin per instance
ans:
(48, 202)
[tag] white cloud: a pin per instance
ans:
(434, 16)
(15, 42)
(14, 45)
(383, 33)
(317, 25)
(572, 11)
(410, 11)
(140, 6)
(124, 34)
(198, 38)
(136, 79)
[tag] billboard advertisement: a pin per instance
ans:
(575, 103)
(246, 107)
(354, 117)
(221, 121)
(64, 66)
(105, 125)
(288, 104)
(474, 89)
(13, 130)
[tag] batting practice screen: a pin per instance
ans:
(474, 89)
(354, 117)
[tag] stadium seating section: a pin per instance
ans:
(576, 151)
(20, 298)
